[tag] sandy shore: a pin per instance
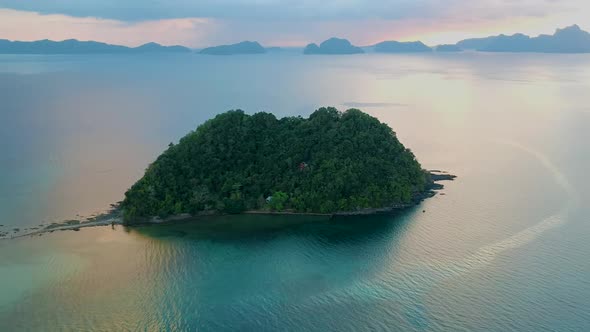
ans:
(112, 217)
(76, 227)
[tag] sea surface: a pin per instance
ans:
(504, 247)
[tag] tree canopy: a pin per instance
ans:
(330, 162)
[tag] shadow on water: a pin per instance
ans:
(289, 267)
(256, 228)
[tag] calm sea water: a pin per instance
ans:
(505, 248)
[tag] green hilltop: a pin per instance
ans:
(330, 162)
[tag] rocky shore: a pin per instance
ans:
(114, 215)
(433, 185)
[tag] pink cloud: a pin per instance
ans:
(454, 25)
(27, 26)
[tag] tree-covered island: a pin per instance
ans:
(328, 163)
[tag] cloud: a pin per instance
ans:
(133, 10)
(22, 25)
(282, 22)
(138, 10)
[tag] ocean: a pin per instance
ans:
(502, 248)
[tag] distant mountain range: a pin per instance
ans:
(245, 47)
(448, 48)
(333, 46)
(72, 46)
(401, 47)
(568, 40)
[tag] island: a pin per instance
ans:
(448, 48)
(401, 47)
(567, 40)
(157, 48)
(245, 47)
(331, 163)
(333, 46)
(73, 46)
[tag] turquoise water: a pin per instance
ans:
(505, 248)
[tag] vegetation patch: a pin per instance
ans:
(330, 162)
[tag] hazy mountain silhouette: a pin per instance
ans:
(245, 47)
(401, 47)
(448, 48)
(571, 39)
(476, 43)
(73, 46)
(155, 47)
(333, 46)
(568, 40)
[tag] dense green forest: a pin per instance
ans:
(331, 161)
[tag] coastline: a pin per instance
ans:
(111, 217)
(114, 215)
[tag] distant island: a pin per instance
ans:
(329, 163)
(448, 48)
(568, 40)
(571, 39)
(245, 47)
(73, 46)
(401, 47)
(333, 46)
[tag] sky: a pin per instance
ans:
(201, 23)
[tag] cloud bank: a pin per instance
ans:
(282, 22)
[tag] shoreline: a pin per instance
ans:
(114, 216)
(111, 217)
